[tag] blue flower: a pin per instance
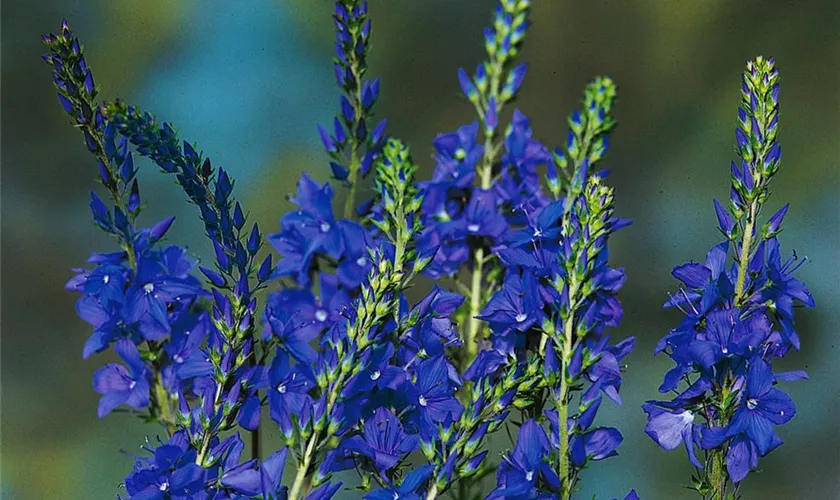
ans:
(154, 289)
(288, 389)
(432, 393)
(526, 471)
(456, 154)
(383, 441)
(762, 406)
(120, 386)
(516, 306)
(258, 479)
(171, 473)
(671, 427)
(409, 489)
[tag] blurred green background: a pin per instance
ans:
(249, 81)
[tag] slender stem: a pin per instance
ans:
(563, 407)
(355, 162)
(301, 476)
(486, 181)
(208, 435)
(718, 475)
(475, 306)
(352, 178)
(163, 404)
(432, 494)
(255, 434)
(744, 263)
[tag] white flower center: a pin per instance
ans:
(537, 233)
(361, 261)
(375, 376)
(422, 401)
(281, 388)
(472, 228)
(529, 476)
(164, 486)
(177, 358)
(724, 350)
(752, 403)
(106, 279)
(521, 317)
(782, 413)
(132, 384)
(149, 287)
(325, 226)
(321, 315)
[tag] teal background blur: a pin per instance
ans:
(249, 81)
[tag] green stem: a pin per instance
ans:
(302, 472)
(744, 260)
(475, 306)
(355, 162)
(208, 435)
(718, 476)
(163, 403)
(486, 181)
(563, 407)
(432, 494)
(352, 178)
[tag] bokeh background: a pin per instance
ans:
(249, 81)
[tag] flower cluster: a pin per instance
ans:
(354, 374)
(541, 291)
(739, 316)
(353, 144)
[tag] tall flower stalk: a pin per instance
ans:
(739, 317)
(486, 92)
(352, 374)
(353, 143)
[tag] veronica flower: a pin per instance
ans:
(315, 221)
(456, 154)
(409, 489)
(289, 388)
(738, 317)
(258, 479)
(433, 393)
(172, 473)
(383, 441)
(762, 406)
(526, 471)
(120, 386)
